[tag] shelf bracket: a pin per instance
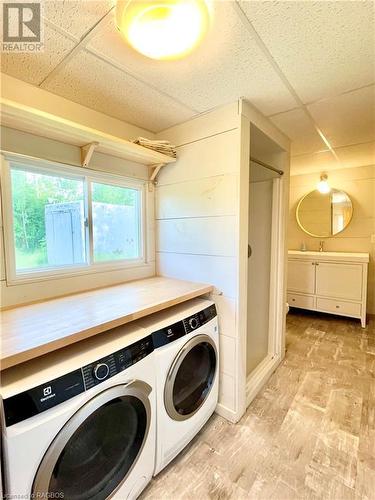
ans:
(87, 152)
(154, 173)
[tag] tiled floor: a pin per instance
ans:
(309, 434)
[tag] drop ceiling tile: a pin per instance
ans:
(76, 16)
(299, 128)
(98, 85)
(34, 67)
(227, 65)
(348, 118)
(359, 155)
(323, 47)
(315, 162)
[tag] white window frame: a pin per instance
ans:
(88, 176)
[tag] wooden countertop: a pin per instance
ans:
(33, 330)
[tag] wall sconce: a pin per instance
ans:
(323, 186)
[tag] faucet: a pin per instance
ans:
(321, 245)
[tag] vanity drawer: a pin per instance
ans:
(302, 301)
(338, 307)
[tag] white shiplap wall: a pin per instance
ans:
(202, 226)
(197, 223)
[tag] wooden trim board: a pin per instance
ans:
(36, 329)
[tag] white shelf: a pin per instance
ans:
(34, 121)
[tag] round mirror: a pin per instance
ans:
(324, 214)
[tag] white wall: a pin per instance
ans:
(197, 223)
(359, 183)
(202, 227)
(40, 147)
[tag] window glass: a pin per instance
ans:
(48, 220)
(116, 222)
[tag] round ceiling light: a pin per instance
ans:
(165, 29)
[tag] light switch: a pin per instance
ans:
(373, 239)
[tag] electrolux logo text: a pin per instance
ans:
(22, 27)
(47, 394)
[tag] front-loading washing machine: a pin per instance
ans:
(186, 343)
(79, 423)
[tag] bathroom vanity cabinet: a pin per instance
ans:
(330, 282)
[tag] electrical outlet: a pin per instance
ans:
(373, 239)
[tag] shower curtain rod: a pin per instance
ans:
(270, 167)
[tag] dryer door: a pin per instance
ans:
(190, 377)
(95, 451)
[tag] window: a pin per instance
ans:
(115, 216)
(48, 220)
(64, 220)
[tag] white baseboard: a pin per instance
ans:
(226, 413)
(258, 378)
(254, 383)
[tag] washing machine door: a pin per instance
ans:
(95, 451)
(190, 377)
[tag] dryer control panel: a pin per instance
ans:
(177, 330)
(43, 397)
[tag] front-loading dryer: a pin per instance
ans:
(186, 343)
(79, 423)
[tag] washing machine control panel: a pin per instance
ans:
(192, 323)
(101, 371)
(105, 368)
(177, 330)
(54, 392)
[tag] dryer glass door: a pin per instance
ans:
(191, 377)
(97, 448)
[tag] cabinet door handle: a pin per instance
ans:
(337, 307)
(317, 263)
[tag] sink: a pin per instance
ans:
(360, 256)
(311, 252)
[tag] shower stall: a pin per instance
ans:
(266, 260)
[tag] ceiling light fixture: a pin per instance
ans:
(165, 29)
(323, 186)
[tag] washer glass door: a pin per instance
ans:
(190, 378)
(95, 451)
